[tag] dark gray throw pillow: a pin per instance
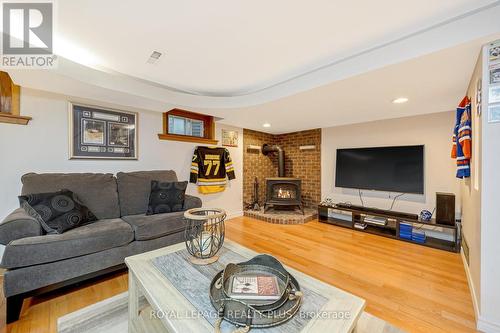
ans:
(166, 197)
(57, 211)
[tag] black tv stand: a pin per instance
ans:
(377, 211)
(351, 216)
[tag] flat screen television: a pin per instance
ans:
(391, 169)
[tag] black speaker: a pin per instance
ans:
(445, 208)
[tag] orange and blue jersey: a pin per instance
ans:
(462, 139)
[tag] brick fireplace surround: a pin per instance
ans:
(303, 164)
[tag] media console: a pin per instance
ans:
(377, 211)
(393, 225)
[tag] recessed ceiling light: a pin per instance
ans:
(400, 100)
(266, 125)
(154, 57)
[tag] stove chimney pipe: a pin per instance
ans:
(266, 149)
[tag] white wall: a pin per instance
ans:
(489, 319)
(471, 196)
(433, 130)
(42, 146)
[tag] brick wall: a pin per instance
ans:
(305, 164)
(255, 164)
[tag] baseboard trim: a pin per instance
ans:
(482, 324)
(486, 326)
(473, 294)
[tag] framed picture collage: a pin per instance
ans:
(102, 133)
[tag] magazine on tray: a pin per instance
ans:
(255, 287)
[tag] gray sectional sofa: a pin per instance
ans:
(37, 263)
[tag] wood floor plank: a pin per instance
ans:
(415, 288)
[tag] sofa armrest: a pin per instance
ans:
(18, 224)
(191, 202)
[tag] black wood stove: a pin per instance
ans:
(281, 191)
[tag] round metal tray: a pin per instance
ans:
(256, 313)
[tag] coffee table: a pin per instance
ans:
(158, 303)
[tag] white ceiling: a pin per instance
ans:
(432, 83)
(227, 47)
(294, 64)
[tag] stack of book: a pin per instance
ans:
(405, 230)
(418, 236)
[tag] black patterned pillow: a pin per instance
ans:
(58, 211)
(166, 197)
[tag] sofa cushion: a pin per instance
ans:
(191, 202)
(166, 197)
(90, 238)
(154, 226)
(57, 211)
(97, 191)
(19, 224)
(21, 280)
(134, 189)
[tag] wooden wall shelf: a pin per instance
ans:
(13, 119)
(10, 102)
(185, 138)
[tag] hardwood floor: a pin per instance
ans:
(39, 314)
(416, 288)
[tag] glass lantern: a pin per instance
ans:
(204, 234)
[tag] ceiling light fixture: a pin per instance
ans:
(154, 57)
(400, 100)
(266, 125)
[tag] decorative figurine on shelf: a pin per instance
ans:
(204, 234)
(426, 216)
